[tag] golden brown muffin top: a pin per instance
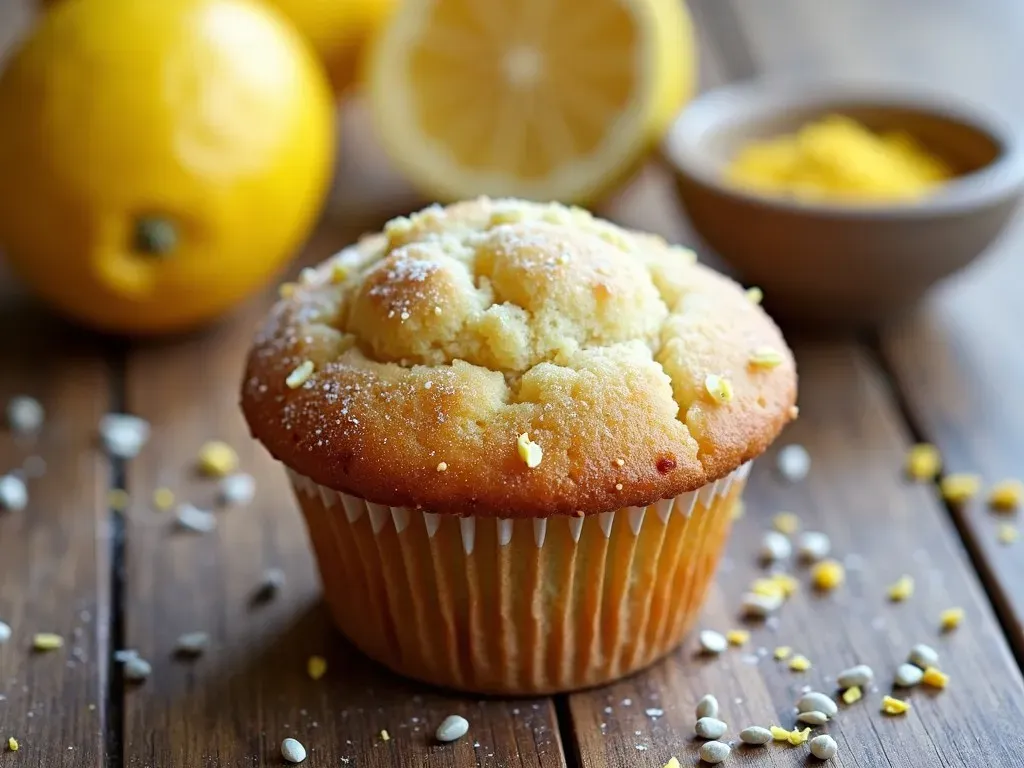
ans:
(406, 369)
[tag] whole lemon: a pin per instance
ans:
(159, 160)
(338, 30)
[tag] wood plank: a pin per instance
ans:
(882, 528)
(948, 356)
(55, 554)
(237, 702)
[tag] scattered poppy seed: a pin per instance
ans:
(824, 747)
(47, 641)
(293, 751)
(794, 462)
(13, 493)
(316, 667)
(452, 728)
(300, 375)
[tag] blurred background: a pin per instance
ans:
(188, 149)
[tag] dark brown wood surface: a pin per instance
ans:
(947, 372)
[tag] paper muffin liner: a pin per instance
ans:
(521, 606)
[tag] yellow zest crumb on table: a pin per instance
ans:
(891, 706)
(902, 589)
(799, 737)
(767, 587)
(951, 618)
(1008, 533)
(782, 652)
(1006, 495)
(958, 488)
(799, 663)
(779, 733)
(828, 574)
(316, 667)
(529, 451)
(786, 583)
(118, 499)
(300, 375)
(934, 677)
(672, 763)
(923, 462)
(765, 357)
(47, 641)
(163, 499)
(12, 744)
(286, 290)
(385, 736)
(786, 522)
(755, 295)
(853, 694)
(718, 388)
(217, 459)
(737, 636)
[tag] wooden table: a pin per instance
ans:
(950, 372)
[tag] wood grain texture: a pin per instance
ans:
(881, 527)
(234, 704)
(54, 555)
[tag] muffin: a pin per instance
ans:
(517, 434)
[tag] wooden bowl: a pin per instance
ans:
(845, 264)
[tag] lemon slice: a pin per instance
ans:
(540, 99)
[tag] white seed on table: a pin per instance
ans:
(775, 546)
(5, 632)
(137, 669)
(191, 518)
(712, 642)
(924, 656)
(813, 545)
(907, 675)
(710, 728)
(860, 675)
(25, 414)
(759, 606)
(794, 462)
(824, 747)
(817, 702)
(714, 752)
(13, 493)
(813, 717)
(122, 655)
(707, 706)
(123, 435)
(755, 735)
(452, 728)
(192, 643)
(293, 751)
(238, 489)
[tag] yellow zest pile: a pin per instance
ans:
(782, 653)
(217, 459)
(779, 733)
(902, 589)
(923, 462)
(12, 744)
(837, 158)
(828, 574)
(891, 706)
(959, 487)
(794, 737)
(1006, 495)
(853, 694)
(799, 663)
(737, 636)
(951, 618)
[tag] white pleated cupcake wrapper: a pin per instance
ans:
(401, 517)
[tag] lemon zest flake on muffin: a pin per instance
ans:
(529, 451)
(923, 462)
(300, 375)
(766, 357)
(718, 388)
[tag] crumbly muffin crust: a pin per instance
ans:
(406, 369)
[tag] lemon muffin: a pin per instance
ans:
(517, 434)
